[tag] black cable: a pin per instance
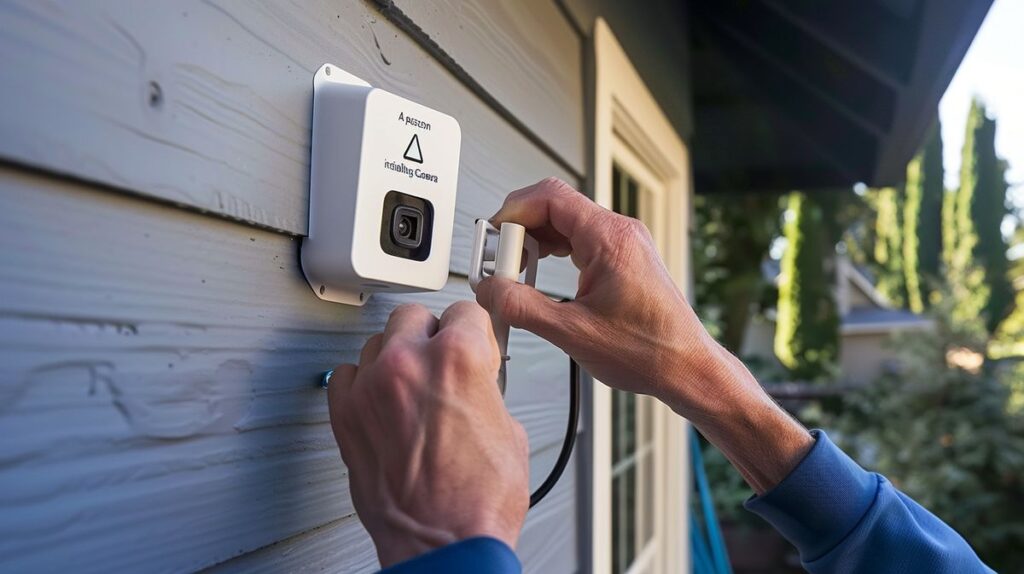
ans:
(570, 436)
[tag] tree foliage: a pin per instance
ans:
(807, 322)
(734, 232)
(889, 209)
(951, 438)
(922, 222)
(977, 260)
(1009, 337)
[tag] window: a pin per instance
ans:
(632, 417)
(638, 447)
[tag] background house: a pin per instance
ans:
(867, 328)
(158, 399)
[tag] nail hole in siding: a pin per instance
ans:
(322, 289)
(327, 70)
(156, 95)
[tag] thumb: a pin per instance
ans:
(524, 307)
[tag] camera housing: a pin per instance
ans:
(382, 188)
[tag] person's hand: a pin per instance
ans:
(629, 324)
(433, 455)
(631, 328)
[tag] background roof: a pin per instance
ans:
(801, 94)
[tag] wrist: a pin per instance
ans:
(731, 409)
(406, 539)
(698, 380)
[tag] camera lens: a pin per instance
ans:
(404, 227)
(407, 226)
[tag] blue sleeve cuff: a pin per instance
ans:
(820, 502)
(468, 556)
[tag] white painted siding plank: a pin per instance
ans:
(207, 104)
(547, 543)
(341, 546)
(525, 54)
(157, 397)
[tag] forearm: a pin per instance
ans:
(839, 516)
(736, 415)
(842, 518)
(631, 327)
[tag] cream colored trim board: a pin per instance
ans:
(630, 128)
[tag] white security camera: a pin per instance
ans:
(382, 183)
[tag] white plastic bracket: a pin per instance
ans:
(499, 253)
(331, 74)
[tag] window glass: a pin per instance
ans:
(632, 434)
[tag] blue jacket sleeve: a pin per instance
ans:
(843, 518)
(469, 556)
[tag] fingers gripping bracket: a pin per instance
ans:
(499, 253)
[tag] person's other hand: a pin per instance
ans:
(629, 325)
(631, 328)
(433, 455)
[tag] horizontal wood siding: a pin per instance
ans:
(526, 54)
(547, 543)
(206, 104)
(158, 396)
(158, 366)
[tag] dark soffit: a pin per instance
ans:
(805, 94)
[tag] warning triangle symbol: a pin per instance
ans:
(412, 151)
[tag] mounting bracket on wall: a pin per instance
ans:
(499, 252)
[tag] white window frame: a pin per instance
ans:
(631, 129)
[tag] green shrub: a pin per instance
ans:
(950, 438)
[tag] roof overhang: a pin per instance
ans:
(804, 94)
(885, 328)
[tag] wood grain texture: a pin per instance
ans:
(525, 54)
(206, 103)
(549, 539)
(158, 405)
(339, 546)
(547, 544)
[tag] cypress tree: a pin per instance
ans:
(1009, 337)
(911, 239)
(807, 324)
(949, 231)
(979, 254)
(889, 203)
(922, 221)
